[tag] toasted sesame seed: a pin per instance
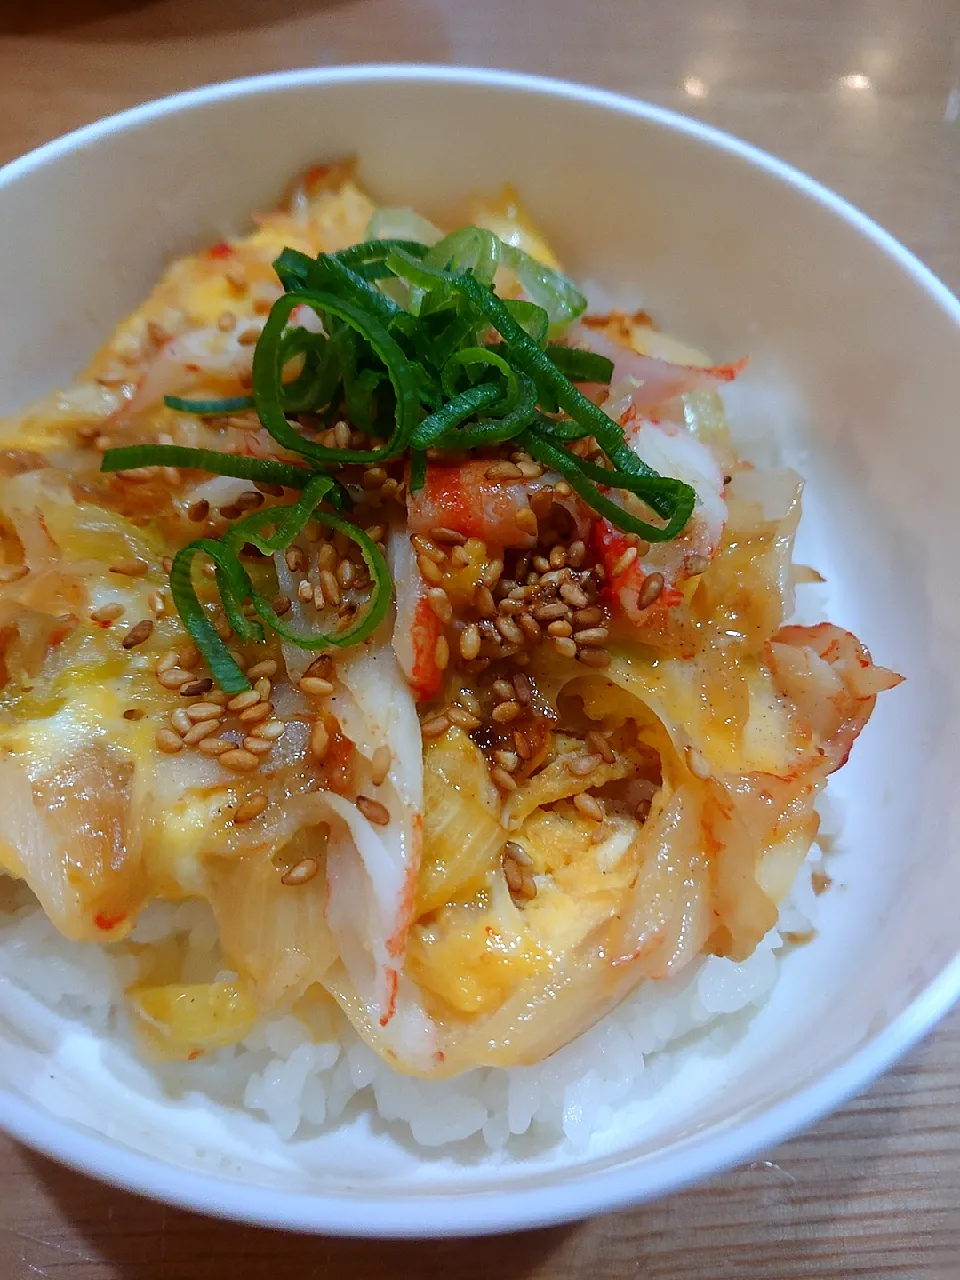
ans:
(180, 721)
(560, 628)
(436, 726)
(268, 667)
(459, 558)
(156, 603)
(425, 547)
(239, 761)
(251, 807)
(175, 678)
(380, 765)
(575, 596)
(196, 688)
(650, 591)
(166, 661)
(594, 657)
(518, 854)
(217, 697)
(552, 611)
(558, 557)
(592, 636)
(509, 630)
(319, 739)
(373, 810)
(197, 732)
(138, 633)
(508, 760)
(696, 564)
(468, 699)
(203, 711)
(470, 642)
(581, 765)
(589, 617)
(512, 874)
(107, 614)
(530, 627)
(316, 686)
(464, 718)
(262, 685)
(253, 715)
(589, 806)
(448, 536)
(524, 688)
(562, 489)
(503, 689)
(271, 730)
(490, 573)
(576, 553)
(624, 561)
(504, 471)
(169, 742)
(564, 646)
(214, 746)
(599, 744)
(504, 712)
(302, 873)
(257, 745)
(502, 780)
(441, 653)
(331, 588)
(429, 570)
(439, 602)
(248, 698)
(341, 435)
(483, 602)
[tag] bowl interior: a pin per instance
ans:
(853, 350)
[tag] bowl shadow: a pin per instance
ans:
(137, 1239)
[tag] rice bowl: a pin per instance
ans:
(577, 1093)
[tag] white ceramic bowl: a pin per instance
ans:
(854, 349)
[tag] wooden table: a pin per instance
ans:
(864, 94)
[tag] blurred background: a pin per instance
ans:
(848, 89)
(864, 95)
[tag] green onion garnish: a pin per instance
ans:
(419, 353)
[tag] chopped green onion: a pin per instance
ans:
(579, 365)
(130, 457)
(268, 388)
(209, 408)
(235, 585)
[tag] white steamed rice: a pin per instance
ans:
(284, 1078)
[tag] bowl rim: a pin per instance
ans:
(512, 1207)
